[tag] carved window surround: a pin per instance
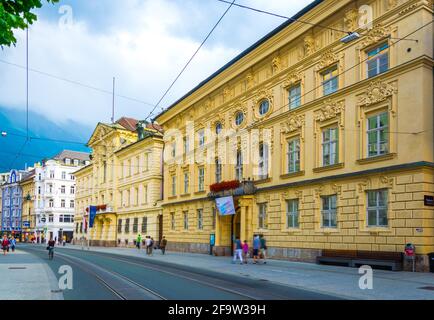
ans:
(292, 128)
(258, 98)
(293, 79)
(291, 194)
(378, 97)
(327, 60)
(233, 110)
(372, 184)
(377, 35)
(326, 190)
(331, 114)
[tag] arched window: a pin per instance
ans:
(239, 118)
(218, 128)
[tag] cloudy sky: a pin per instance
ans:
(144, 44)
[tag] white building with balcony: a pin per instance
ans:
(55, 191)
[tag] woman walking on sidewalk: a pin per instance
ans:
(5, 244)
(13, 243)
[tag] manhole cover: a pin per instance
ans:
(17, 268)
(427, 288)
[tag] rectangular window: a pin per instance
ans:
(144, 224)
(329, 211)
(263, 161)
(127, 225)
(50, 218)
(239, 166)
(173, 185)
(71, 203)
(218, 170)
(201, 179)
(136, 192)
(378, 137)
(186, 145)
(292, 213)
(172, 221)
(120, 226)
(377, 208)
(52, 174)
(135, 225)
(185, 220)
(330, 154)
(173, 149)
(330, 80)
(294, 94)
(72, 190)
(63, 175)
(145, 194)
(293, 156)
(200, 219)
(146, 162)
(262, 216)
(201, 135)
(378, 60)
(186, 182)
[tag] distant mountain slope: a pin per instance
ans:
(14, 122)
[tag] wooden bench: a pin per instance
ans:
(357, 258)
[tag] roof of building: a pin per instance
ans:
(244, 53)
(69, 154)
(128, 123)
(28, 175)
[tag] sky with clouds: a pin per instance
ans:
(144, 44)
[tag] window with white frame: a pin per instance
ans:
(173, 185)
(62, 189)
(201, 177)
(292, 214)
(262, 216)
(378, 60)
(71, 203)
(377, 208)
(329, 79)
(63, 203)
(330, 146)
(200, 219)
(201, 135)
(144, 224)
(51, 203)
(218, 170)
(185, 213)
(329, 211)
(186, 182)
(63, 175)
(263, 160)
(50, 218)
(239, 166)
(67, 161)
(145, 194)
(72, 190)
(294, 96)
(378, 140)
(76, 162)
(52, 174)
(293, 156)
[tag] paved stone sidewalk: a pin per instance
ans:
(24, 276)
(338, 281)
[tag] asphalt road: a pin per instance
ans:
(103, 276)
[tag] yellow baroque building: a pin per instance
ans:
(332, 140)
(124, 181)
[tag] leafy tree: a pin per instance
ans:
(15, 14)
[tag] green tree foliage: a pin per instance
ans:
(15, 14)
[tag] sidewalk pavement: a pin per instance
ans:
(24, 276)
(339, 281)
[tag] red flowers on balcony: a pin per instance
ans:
(225, 185)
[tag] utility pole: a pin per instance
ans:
(113, 101)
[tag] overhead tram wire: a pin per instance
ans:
(314, 89)
(294, 19)
(76, 83)
(189, 61)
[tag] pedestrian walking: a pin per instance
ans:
(245, 251)
(148, 245)
(64, 240)
(163, 245)
(151, 247)
(256, 247)
(139, 241)
(13, 243)
(5, 244)
(238, 251)
(263, 243)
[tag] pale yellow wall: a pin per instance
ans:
(404, 92)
